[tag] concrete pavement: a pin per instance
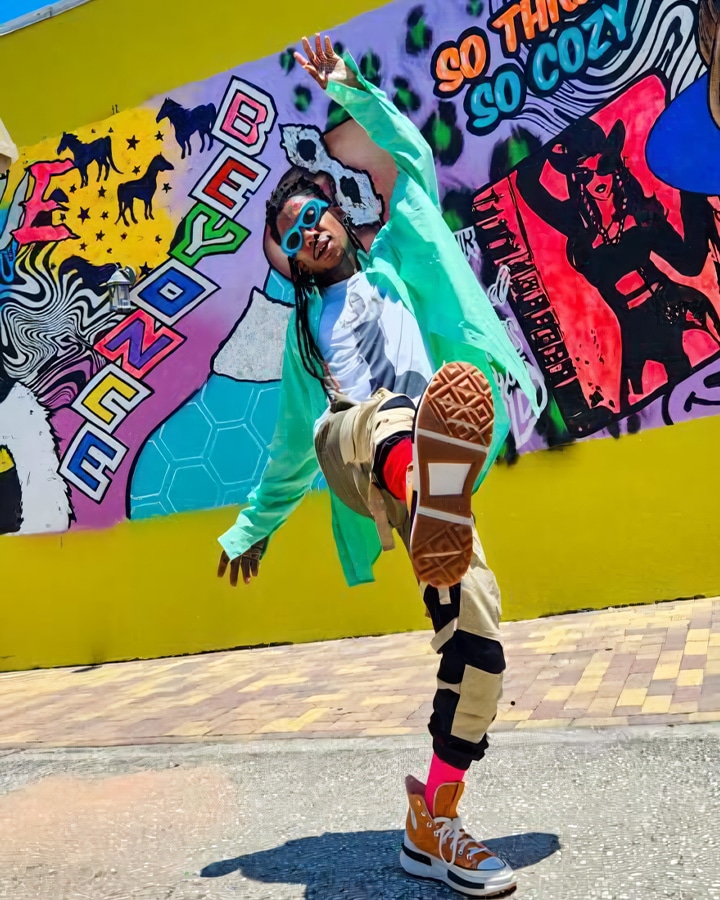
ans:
(612, 814)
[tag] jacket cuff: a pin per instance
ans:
(234, 541)
(343, 93)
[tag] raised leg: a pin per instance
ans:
(453, 432)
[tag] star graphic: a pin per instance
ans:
(92, 131)
(136, 170)
(159, 136)
(110, 131)
(105, 215)
(101, 192)
(132, 142)
(99, 236)
(73, 189)
(109, 249)
(166, 187)
(158, 239)
(84, 214)
(145, 270)
(123, 236)
(62, 217)
(83, 246)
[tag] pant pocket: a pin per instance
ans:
(477, 707)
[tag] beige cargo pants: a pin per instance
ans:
(465, 617)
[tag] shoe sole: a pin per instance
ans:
(453, 431)
(428, 867)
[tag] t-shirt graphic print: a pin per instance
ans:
(369, 340)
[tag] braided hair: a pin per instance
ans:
(628, 199)
(298, 185)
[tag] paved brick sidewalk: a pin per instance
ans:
(647, 664)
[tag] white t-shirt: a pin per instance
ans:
(370, 340)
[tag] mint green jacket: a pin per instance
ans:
(416, 258)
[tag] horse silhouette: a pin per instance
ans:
(91, 276)
(99, 151)
(187, 121)
(142, 188)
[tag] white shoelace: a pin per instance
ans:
(459, 839)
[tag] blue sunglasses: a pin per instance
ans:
(309, 216)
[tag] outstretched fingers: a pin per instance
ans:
(299, 58)
(308, 50)
(249, 568)
(310, 62)
(320, 62)
(318, 46)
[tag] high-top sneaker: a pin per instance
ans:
(451, 437)
(439, 847)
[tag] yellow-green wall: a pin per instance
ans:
(77, 67)
(600, 523)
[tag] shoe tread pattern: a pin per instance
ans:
(458, 404)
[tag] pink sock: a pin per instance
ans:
(440, 773)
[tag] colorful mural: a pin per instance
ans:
(573, 146)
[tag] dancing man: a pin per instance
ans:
(402, 440)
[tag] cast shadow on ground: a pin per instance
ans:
(364, 865)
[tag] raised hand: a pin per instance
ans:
(323, 64)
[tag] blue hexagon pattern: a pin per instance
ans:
(209, 453)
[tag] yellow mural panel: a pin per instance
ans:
(104, 159)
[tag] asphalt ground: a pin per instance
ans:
(592, 813)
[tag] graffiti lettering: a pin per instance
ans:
(229, 182)
(37, 222)
(491, 101)
(88, 459)
(557, 54)
(534, 15)
(107, 398)
(529, 300)
(246, 117)
(455, 62)
(172, 291)
(576, 48)
(593, 25)
(468, 243)
(522, 417)
(138, 343)
(702, 389)
(205, 232)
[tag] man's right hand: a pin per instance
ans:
(324, 65)
(248, 563)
